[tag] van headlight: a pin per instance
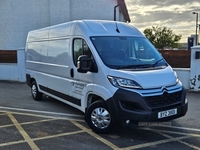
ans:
(176, 76)
(121, 82)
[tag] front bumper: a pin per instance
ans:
(130, 108)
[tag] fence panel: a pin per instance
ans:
(8, 56)
(177, 58)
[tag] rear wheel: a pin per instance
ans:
(34, 91)
(99, 118)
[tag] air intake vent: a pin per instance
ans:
(163, 100)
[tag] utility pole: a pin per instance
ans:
(196, 41)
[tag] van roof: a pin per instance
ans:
(85, 28)
(107, 28)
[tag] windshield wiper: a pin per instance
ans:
(141, 65)
(135, 66)
(153, 65)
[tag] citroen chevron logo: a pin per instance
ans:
(164, 89)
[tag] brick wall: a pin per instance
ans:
(177, 58)
(8, 56)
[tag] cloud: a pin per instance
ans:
(174, 14)
(162, 3)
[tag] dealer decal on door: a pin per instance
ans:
(78, 87)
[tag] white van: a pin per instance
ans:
(106, 69)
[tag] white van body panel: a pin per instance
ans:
(51, 62)
(148, 79)
(102, 86)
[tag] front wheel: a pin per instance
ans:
(34, 91)
(99, 118)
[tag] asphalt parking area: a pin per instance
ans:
(26, 131)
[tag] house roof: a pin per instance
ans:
(124, 10)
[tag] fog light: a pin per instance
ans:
(127, 121)
(186, 100)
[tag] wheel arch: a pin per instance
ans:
(98, 93)
(104, 95)
(29, 80)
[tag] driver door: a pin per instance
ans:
(81, 82)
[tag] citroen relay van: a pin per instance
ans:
(108, 70)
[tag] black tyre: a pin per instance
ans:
(99, 118)
(34, 91)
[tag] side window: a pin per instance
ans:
(87, 50)
(80, 47)
(77, 49)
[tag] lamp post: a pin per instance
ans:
(199, 28)
(116, 8)
(196, 25)
(115, 12)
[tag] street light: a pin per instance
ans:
(115, 11)
(196, 25)
(199, 28)
(120, 4)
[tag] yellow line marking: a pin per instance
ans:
(185, 136)
(155, 143)
(8, 125)
(40, 138)
(173, 132)
(57, 135)
(24, 123)
(12, 143)
(23, 132)
(190, 145)
(38, 121)
(182, 142)
(89, 131)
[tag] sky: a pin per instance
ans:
(175, 14)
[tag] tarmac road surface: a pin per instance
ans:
(49, 125)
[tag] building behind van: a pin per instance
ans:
(106, 69)
(21, 16)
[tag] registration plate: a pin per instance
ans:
(167, 113)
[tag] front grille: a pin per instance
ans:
(131, 106)
(163, 100)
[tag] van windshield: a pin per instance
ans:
(127, 52)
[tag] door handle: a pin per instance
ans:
(72, 72)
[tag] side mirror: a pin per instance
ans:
(84, 64)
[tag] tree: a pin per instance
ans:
(162, 37)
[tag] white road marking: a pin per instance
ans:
(74, 115)
(183, 128)
(44, 112)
